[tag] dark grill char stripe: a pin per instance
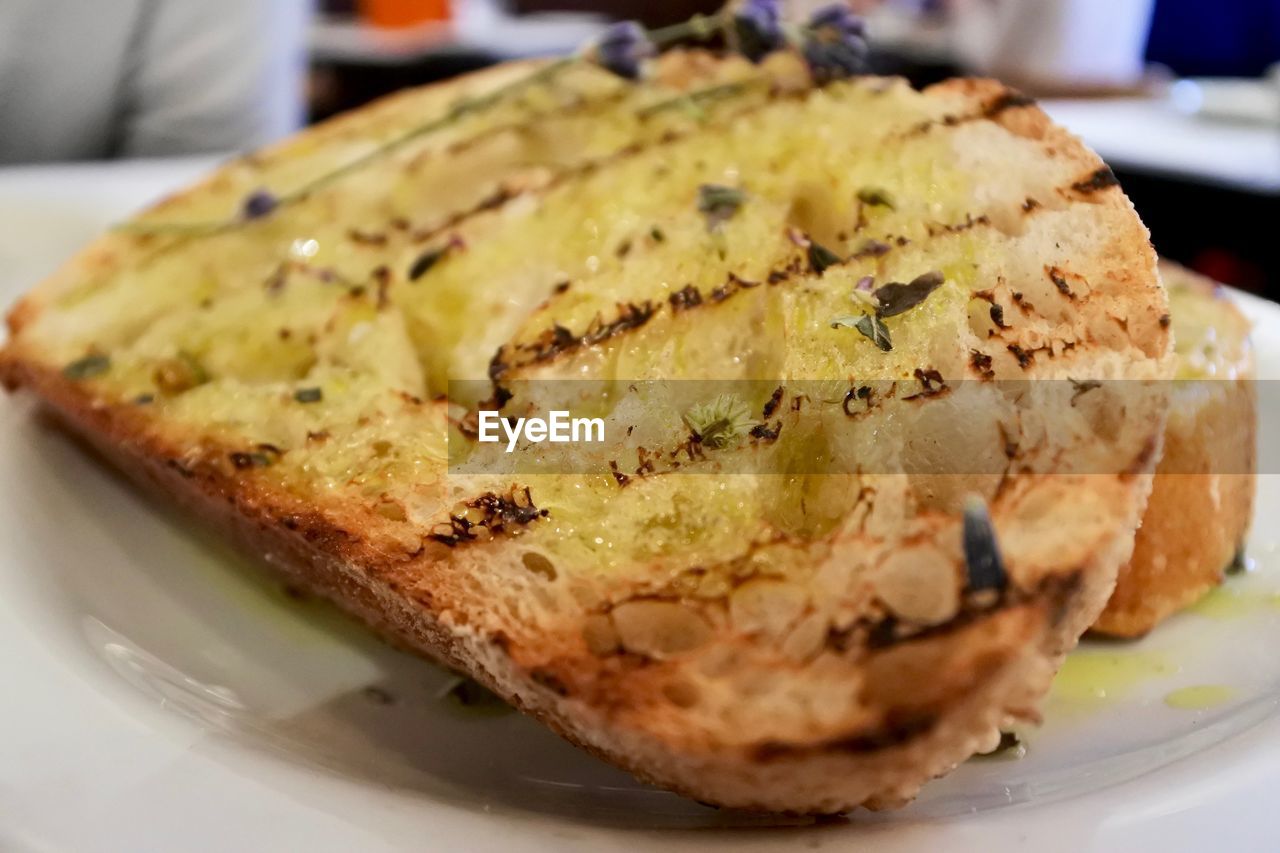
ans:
(503, 196)
(1056, 592)
(1060, 282)
(568, 111)
(1007, 100)
(685, 298)
(894, 732)
(1099, 180)
(1011, 99)
(551, 344)
(557, 340)
(689, 297)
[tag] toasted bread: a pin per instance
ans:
(736, 631)
(1202, 497)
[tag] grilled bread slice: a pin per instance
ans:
(1202, 497)
(786, 620)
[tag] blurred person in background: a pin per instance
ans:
(93, 79)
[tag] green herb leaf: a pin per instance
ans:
(895, 297)
(875, 197)
(820, 258)
(87, 367)
(719, 203)
(308, 395)
(720, 421)
(871, 326)
(846, 321)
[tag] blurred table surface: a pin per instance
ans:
(1149, 135)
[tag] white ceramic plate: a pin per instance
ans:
(159, 694)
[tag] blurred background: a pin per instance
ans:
(1181, 97)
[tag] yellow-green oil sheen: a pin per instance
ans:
(1228, 602)
(1200, 697)
(1090, 676)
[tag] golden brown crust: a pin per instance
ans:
(996, 666)
(1202, 497)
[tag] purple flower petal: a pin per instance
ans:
(835, 43)
(259, 204)
(623, 48)
(757, 29)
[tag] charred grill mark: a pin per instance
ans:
(970, 221)
(366, 238)
(931, 384)
(981, 363)
(382, 280)
(1024, 357)
(763, 432)
(558, 340)
(495, 514)
(497, 366)
(685, 298)
(946, 121)
(399, 223)
(887, 631)
(997, 315)
(1101, 179)
(1008, 100)
(504, 194)
(495, 200)
(1082, 387)
(554, 342)
(276, 281)
(861, 393)
(896, 730)
(462, 146)
(1059, 281)
(771, 405)
(731, 286)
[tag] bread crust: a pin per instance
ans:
(1202, 497)
(1003, 667)
(909, 708)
